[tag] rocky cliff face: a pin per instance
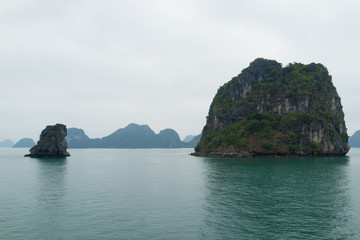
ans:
(52, 143)
(271, 110)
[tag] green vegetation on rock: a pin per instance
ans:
(271, 110)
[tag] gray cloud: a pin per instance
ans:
(102, 65)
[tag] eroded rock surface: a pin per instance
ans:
(273, 110)
(51, 144)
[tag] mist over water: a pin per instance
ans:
(167, 194)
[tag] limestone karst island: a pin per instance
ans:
(270, 110)
(52, 143)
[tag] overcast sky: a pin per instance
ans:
(100, 65)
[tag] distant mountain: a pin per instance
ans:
(169, 138)
(132, 136)
(354, 140)
(76, 138)
(6, 143)
(24, 143)
(188, 138)
(195, 140)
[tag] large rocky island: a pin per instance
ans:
(52, 143)
(270, 110)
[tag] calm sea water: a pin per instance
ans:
(166, 194)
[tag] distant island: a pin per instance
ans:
(188, 138)
(132, 136)
(24, 143)
(354, 140)
(6, 143)
(270, 110)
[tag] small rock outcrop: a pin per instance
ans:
(51, 144)
(270, 110)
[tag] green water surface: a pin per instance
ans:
(167, 194)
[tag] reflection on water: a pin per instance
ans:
(277, 198)
(51, 200)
